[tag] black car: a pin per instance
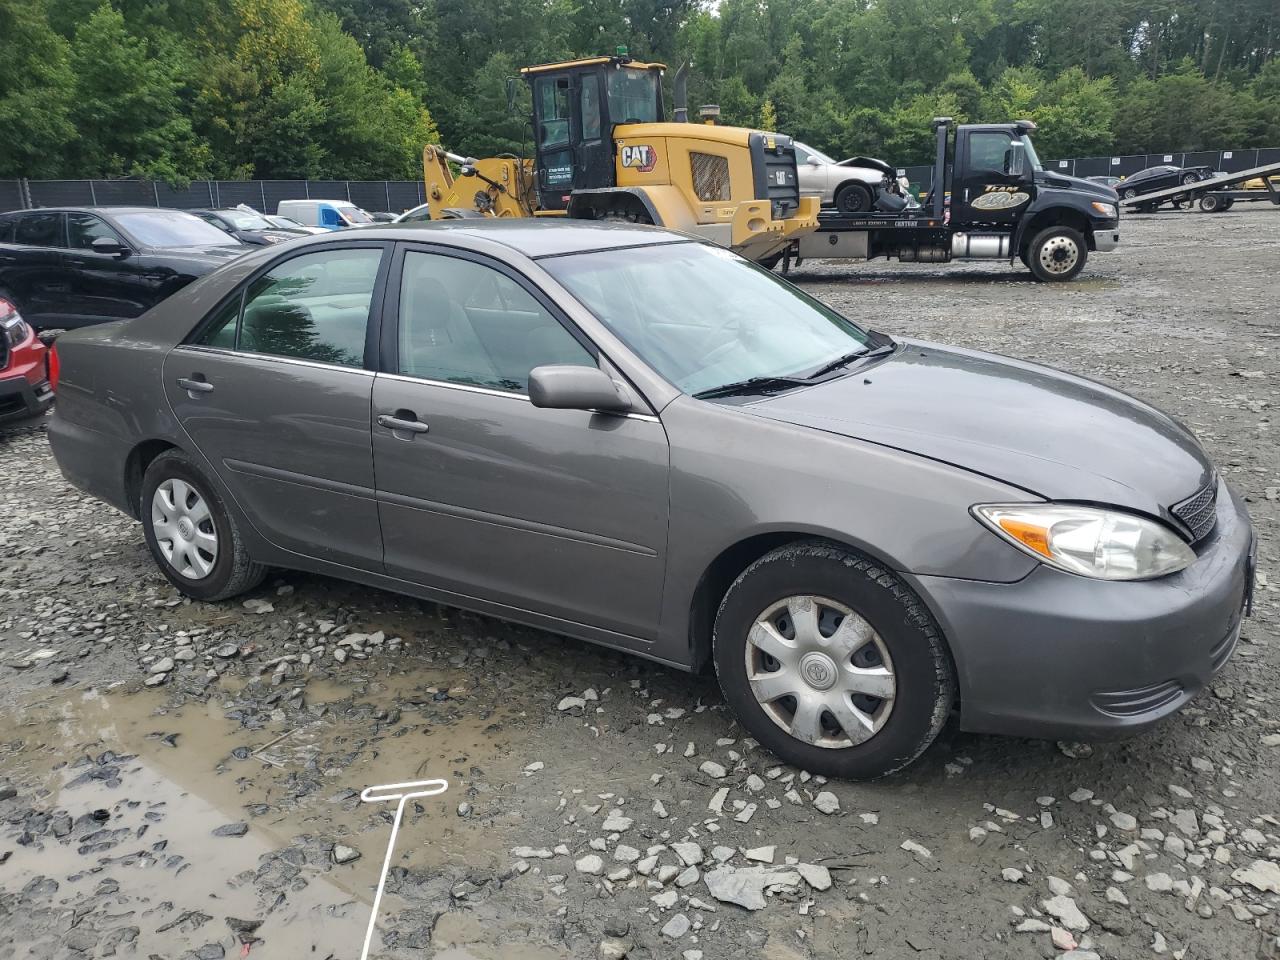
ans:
(1161, 178)
(248, 226)
(72, 267)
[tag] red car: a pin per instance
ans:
(25, 387)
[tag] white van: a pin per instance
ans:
(328, 214)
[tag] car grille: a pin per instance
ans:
(1134, 703)
(710, 176)
(773, 167)
(1199, 512)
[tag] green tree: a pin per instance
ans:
(36, 90)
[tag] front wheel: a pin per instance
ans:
(1057, 254)
(831, 662)
(194, 540)
(853, 198)
(1190, 178)
(1129, 194)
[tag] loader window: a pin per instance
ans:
(633, 96)
(591, 108)
(553, 110)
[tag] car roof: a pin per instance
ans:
(533, 236)
(98, 209)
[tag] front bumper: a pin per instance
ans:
(755, 234)
(1106, 237)
(1061, 656)
(20, 399)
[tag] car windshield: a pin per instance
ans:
(703, 317)
(248, 221)
(284, 222)
(354, 215)
(633, 95)
(172, 228)
(818, 154)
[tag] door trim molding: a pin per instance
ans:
(264, 472)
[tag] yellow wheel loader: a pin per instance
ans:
(604, 150)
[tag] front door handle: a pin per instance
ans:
(404, 422)
(195, 387)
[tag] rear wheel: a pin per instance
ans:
(1190, 178)
(192, 537)
(1129, 194)
(831, 662)
(1057, 254)
(1210, 203)
(853, 198)
(629, 213)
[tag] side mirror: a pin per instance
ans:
(1015, 160)
(565, 387)
(108, 245)
(814, 162)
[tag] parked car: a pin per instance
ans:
(69, 267)
(1161, 178)
(284, 223)
(419, 214)
(25, 390)
(640, 439)
(851, 186)
(1106, 181)
(329, 214)
(381, 216)
(248, 226)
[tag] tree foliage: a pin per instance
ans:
(354, 88)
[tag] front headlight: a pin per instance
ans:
(1089, 541)
(14, 330)
(1108, 210)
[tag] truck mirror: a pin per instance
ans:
(1015, 159)
(511, 94)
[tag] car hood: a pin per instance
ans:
(219, 253)
(869, 163)
(1055, 435)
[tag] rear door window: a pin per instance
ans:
(312, 307)
(39, 230)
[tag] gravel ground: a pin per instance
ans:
(182, 780)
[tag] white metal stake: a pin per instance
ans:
(404, 792)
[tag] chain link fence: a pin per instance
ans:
(394, 196)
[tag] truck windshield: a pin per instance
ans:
(633, 95)
(703, 317)
(1033, 158)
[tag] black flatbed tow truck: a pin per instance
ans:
(1214, 194)
(1002, 205)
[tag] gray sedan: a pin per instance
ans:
(642, 440)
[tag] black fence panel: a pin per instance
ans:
(199, 195)
(1266, 156)
(274, 191)
(1232, 160)
(124, 193)
(1209, 158)
(369, 195)
(229, 193)
(60, 193)
(1092, 167)
(328, 189)
(11, 195)
(405, 194)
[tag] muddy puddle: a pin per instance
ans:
(133, 797)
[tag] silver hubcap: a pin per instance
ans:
(820, 672)
(1059, 254)
(184, 529)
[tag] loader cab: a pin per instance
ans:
(576, 105)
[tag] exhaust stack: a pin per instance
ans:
(680, 92)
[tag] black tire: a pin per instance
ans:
(1129, 194)
(853, 198)
(1066, 256)
(1190, 178)
(770, 261)
(926, 685)
(1210, 204)
(233, 571)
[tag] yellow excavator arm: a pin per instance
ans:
(491, 187)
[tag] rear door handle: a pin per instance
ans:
(195, 387)
(406, 421)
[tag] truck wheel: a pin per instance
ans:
(1057, 254)
(853, 198)
(1209, 203)
(831, 662)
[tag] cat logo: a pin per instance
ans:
(1000, 199)
(641, 157)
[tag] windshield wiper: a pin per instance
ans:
(848, 358)
(750, 385)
